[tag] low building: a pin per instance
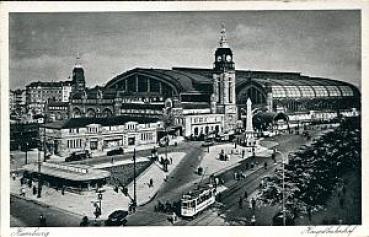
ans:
(73, 178)
(99, 134)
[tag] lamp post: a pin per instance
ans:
(134, 178)
(26, 161)
(283, 202)
(39, 188)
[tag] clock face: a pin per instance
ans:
(219, 58)
(229, 58)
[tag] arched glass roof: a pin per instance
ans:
(282, 84)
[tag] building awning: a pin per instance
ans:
(114, 138)
(77, 173)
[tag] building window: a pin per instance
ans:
(75, 143)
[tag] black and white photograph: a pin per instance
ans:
(248, 118)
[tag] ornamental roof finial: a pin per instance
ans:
(223, 39)
(78, 61)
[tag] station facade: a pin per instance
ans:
(214, 100)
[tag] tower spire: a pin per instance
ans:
(78, 61)
(223, 39)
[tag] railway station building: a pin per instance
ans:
(204, 100)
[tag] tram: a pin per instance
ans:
(197, 200)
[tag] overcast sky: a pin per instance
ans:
(316, 43)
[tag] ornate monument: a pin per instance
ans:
(249, 139)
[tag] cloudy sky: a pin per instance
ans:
(43, 46)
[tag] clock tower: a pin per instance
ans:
(224, 79)
(78, 77)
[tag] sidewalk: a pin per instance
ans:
(82, 204)
(119, 163)
(212, 164)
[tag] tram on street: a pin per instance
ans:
(197, 200)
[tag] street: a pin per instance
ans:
(185, 178)
(26, 213)
(182, 179)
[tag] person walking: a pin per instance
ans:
(309, 213)
(151, 184)
(63, 190)
(14, 176)
(342, 201)
(84, 221)
(253, 220)
(42, 220)
(253, 204)
(171, 160)
(245, 195)
(216, 181)
(240, 203)
(34, 190)
(23, 191)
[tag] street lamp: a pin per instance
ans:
(134, 179)
(26, 161)
(39, 189)
(283, 202)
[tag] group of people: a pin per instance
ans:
(165, 207)
(165, 161)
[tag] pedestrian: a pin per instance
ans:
(235, 175)
(243, 154)
(265, 165)
(240, 202)
(29, 183)
(243, 175)
(63, 190)
(216, 181)
(253, 203)
(219, 197)
(42, 220)
(23, 192)
(247, 166)
(171, 160)
(14, 176)
(34, 190)
(342, 201)
(309, 212)
(151, 183)
(84, 221)
(253, 220)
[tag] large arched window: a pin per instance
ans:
(76, 113)
(90, 113)
(256, 95)
(107, 113)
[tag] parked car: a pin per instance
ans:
(117, 218)
(208, 142)
(114, 152)
(78, 155)
(278, 218)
